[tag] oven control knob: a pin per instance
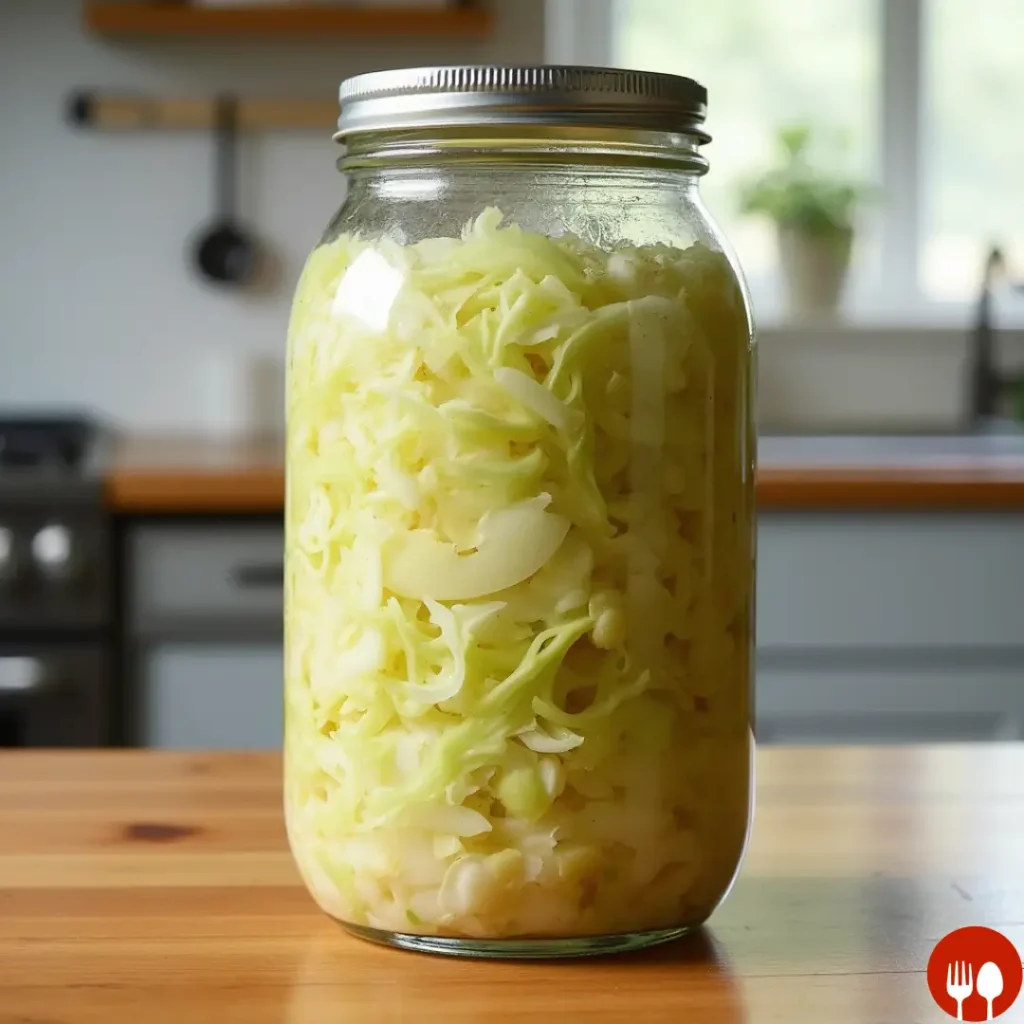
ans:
(55, 553)
(10, 561)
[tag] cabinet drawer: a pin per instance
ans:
(218, 696)
(956, 700)
(231, 572)
(890, 581)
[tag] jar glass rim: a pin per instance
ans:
(547, 144)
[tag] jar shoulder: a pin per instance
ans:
(607, 210)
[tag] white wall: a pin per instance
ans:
(98, 304)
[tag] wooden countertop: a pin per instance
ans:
(154, 887)
(169, 475)
(184, 475)
(968, 485)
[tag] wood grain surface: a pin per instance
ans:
(185, 475)
(149, 888)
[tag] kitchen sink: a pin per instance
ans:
(891, 449)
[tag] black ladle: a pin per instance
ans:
(224, 252)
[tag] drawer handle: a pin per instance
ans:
(258, 575)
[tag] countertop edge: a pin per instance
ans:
(198, 476)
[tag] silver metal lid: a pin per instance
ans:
(486, 94)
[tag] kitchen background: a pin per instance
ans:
(139, 592)
(100, 302)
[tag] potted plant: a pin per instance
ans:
(813, 213)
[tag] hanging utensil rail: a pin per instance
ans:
(122, 112)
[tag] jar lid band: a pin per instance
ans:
(464, 96)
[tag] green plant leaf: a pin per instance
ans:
(795, 139)
(797, 195)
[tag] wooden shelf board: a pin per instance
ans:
(182, 19)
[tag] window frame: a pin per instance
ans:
(582, 32)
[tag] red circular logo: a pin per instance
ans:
(975, 974)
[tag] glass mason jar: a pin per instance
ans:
(520, 520)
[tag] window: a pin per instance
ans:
(974, 148)
(923, 97)
(757, 74)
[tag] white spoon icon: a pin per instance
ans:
(990, 984)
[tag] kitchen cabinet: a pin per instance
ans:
(211, 576)
(870, 701)
(204, 634)
(213, 696)
(886, 627)
(831, 581)
(872, 627)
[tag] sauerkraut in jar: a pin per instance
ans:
(519, 569)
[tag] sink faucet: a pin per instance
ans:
(987, 384)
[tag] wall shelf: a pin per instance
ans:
(156, 19)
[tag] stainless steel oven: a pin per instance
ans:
(56, 619)
(54, 694)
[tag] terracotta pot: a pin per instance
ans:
(814, 269)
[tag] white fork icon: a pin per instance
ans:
(959, 984)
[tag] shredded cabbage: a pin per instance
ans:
(518, 583)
